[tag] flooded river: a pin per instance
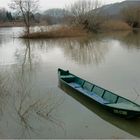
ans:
(32, 105)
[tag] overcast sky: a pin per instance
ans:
(46, 4)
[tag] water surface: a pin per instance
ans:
(32, 105)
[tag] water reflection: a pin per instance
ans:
(27, 52)
(4, 39)
(81, 50)
(29, 97)
(130, 126)
(132, 40)
(26, 56)
(8, 34)
(86, 50)
(129, 39)
(27, 111)
(4, 94)
(23, 103)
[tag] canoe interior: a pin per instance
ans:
(97, 93)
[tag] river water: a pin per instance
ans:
(32, 105)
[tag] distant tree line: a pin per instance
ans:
(5, 15)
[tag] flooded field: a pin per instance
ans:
(33, 105)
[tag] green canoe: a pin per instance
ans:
(110, 101)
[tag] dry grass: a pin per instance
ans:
(11, 24)
(115, 25)
(61, 32)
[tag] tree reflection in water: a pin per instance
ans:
(28, 111)
(84, 51)
(4, 94)
(132, 40)
(129, 39)
(27, 52)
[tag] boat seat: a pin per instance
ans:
(74, 85)
(67, 76)
(99, 99)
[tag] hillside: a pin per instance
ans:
(114, 10)
(56, 12)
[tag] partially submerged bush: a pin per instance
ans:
(58, 33)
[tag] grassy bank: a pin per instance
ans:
(11, 24)
(19, 24)
(61, 32)
(115, 25)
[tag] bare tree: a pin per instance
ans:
(132, 15)
(85, 13)
(27, 9)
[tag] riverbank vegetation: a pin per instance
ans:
(61, 32)
(131, 15)
(115, 25)
(78, 19)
